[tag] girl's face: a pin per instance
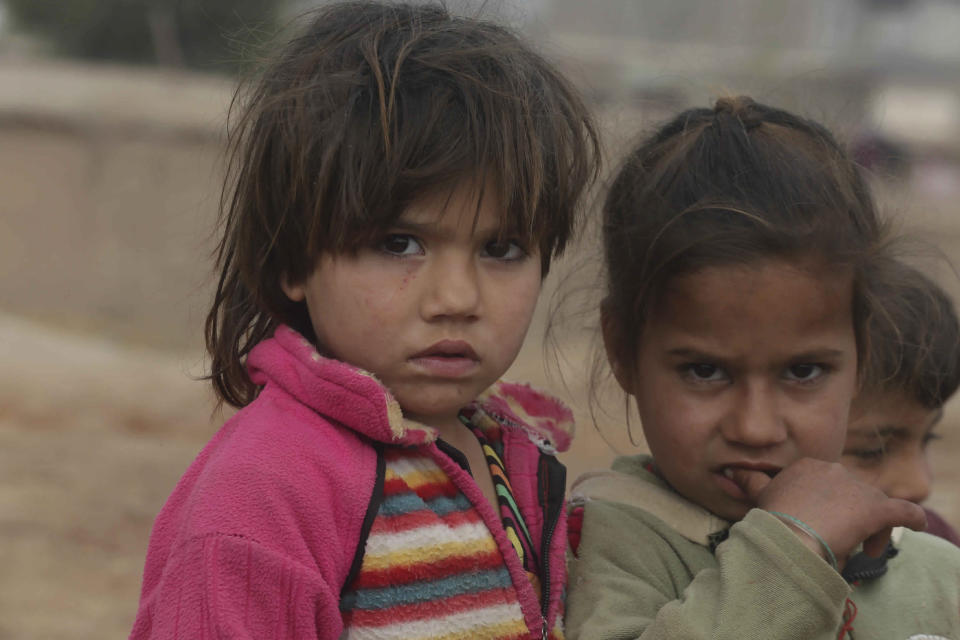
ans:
(744, 366)
(437, 310)
(887, 441)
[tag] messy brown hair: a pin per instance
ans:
(733, 184)
(915, 343)
(371, 106)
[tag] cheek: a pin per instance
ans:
(824, 431)
(834, 413)
(526, 290)
(671, 420)
(517, 303)
(383, 293)
(878, 475)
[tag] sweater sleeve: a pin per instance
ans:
(630, 581)
(224, 586)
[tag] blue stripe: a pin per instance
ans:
(386, 597)
(410, 502)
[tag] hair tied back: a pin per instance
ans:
(746, 112)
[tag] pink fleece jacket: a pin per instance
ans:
(258, 538)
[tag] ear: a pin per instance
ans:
(611, 343)
(296, 292)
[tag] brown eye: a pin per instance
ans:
(703, 372)
(805, 372)
(503, 250)
(398, 244)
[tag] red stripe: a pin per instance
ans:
(392, 454)
(396, 486)
(427, 570)
(432, 609)
(437, 489)
(422, 518)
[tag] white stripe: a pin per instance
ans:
(434, 534)
(463, 623)
(403, 466)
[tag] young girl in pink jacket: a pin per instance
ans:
(400, 180)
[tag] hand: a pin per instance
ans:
(825, 496)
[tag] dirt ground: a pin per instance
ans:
(103, 258)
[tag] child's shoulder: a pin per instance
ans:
(922, 580)
(273, 455)
(277, 432)
(919, 551)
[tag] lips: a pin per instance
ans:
(448, 349)
(447, 359)
(768, 469)
(723, 475)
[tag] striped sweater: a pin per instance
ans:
(318, 511)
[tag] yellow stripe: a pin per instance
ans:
(416, 479)
(428, 553)
(515, 541)
(490, 453)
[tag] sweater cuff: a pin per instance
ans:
(794, 560)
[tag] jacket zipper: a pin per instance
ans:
(553, 513)
(545, 579)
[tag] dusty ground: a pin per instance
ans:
(103, 246)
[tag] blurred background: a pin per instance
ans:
(112, 122)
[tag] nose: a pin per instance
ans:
(753, 419)
(910, 477)
(453, 289)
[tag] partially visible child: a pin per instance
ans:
(401, 180)
(739, 243)
(915, 363)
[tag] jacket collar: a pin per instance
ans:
(355, 398)
(633, 483)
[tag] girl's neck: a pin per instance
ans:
(447, 426)
(456, 434)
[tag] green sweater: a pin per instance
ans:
(649, 573)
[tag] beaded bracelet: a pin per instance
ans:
(803, 526)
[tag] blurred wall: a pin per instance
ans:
(110, 185)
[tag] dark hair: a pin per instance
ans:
(372, 106)
(733, 184)
(915, 344)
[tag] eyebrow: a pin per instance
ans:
(806, 356)
(430, 228)
(935, 420)
(892, 430)
(416, 227)
(883, 431)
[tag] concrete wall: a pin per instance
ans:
(110, 182)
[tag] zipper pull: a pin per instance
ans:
(544, 634)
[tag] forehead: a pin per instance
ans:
(770, 305)
(891, 413)
(468, 204)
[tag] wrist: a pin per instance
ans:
(809, 537)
